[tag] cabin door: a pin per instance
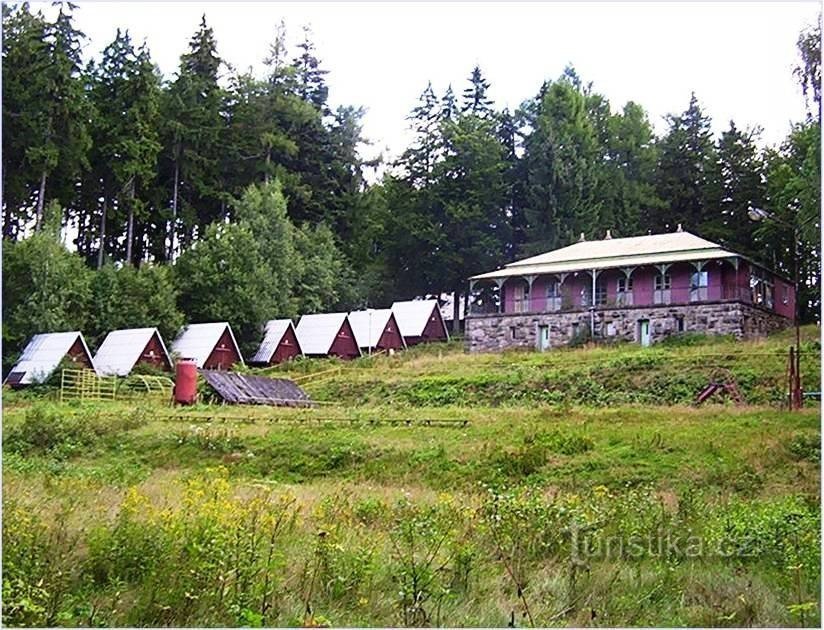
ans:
(643, 332)
(543, 338)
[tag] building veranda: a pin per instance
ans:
(640, 289)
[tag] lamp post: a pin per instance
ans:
(758, 214)
(369, 311)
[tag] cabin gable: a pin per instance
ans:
(288, 347)
(224, 355)
(344, 345)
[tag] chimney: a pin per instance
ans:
(608, 236)
(679, 229)
(582, 238)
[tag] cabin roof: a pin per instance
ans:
(632, 251)
(43, 354)
(361, 320)
(197, 341)
(317, 332)
(121, 350)
(413, 315)
(273, 334)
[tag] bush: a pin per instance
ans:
(48, 429)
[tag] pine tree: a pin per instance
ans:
(687, 175)
(25, 59)
(126, 90)
(310, 83)
(742, 183)
(43, 86)
(193, 135)
(475, 100)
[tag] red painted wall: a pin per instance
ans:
(153, 354)
(344, 345)
(225, 354)
(288, 348)
(435, 329)
(391, 336)
(77, 354)
(723, 283)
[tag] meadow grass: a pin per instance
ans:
(518, 511)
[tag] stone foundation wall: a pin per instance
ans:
(490, 333)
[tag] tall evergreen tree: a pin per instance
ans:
(560, 163)
(687, 175)
(126, 91)
(742, 184)
(44, 90)
(193, 136)
(475, 100)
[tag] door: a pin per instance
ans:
(543, 338)
(643, 332)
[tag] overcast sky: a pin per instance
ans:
(738, 56)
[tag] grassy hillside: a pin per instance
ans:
(669, 373)
(506, 507)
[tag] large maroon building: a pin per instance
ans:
(641, 289)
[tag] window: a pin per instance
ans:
(663, 282)
(553, 295)
(679, 323)
(600, 294)
(624, 295)
(785, 294)
(586, 298)
(512, 330)
(698, 286)
(624, 285)
(699, 280)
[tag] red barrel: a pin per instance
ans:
(186, 382)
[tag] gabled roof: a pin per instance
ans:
(121, 350)
(275, 329)
(633, 251)
(361, 320)
(413, 315)
(198, 340)
(43, 354)
(316, 333)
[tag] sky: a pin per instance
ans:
(737, 57)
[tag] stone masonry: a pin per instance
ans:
(490, 333)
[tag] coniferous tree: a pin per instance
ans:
(44, 112)
(742, 185)
(687, 175)
(25, 58)
(125, 89)
(560, 164)
(475, 100)
(193, 135)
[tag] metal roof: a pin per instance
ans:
(121, 350)
(256, 390)
(316, 333)
(274, 331)
(633, 251)
(365, 335)
(413, 315)
(198, 340)
(43, 354)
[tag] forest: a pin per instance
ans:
(136, 199)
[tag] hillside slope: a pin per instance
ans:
(668, 373)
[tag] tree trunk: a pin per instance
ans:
(102, 251)
(130, 226)
(40, 202)
(174, 214)
(456, 311)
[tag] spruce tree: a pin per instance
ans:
(687, 177)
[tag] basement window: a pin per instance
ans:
(512, 331)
